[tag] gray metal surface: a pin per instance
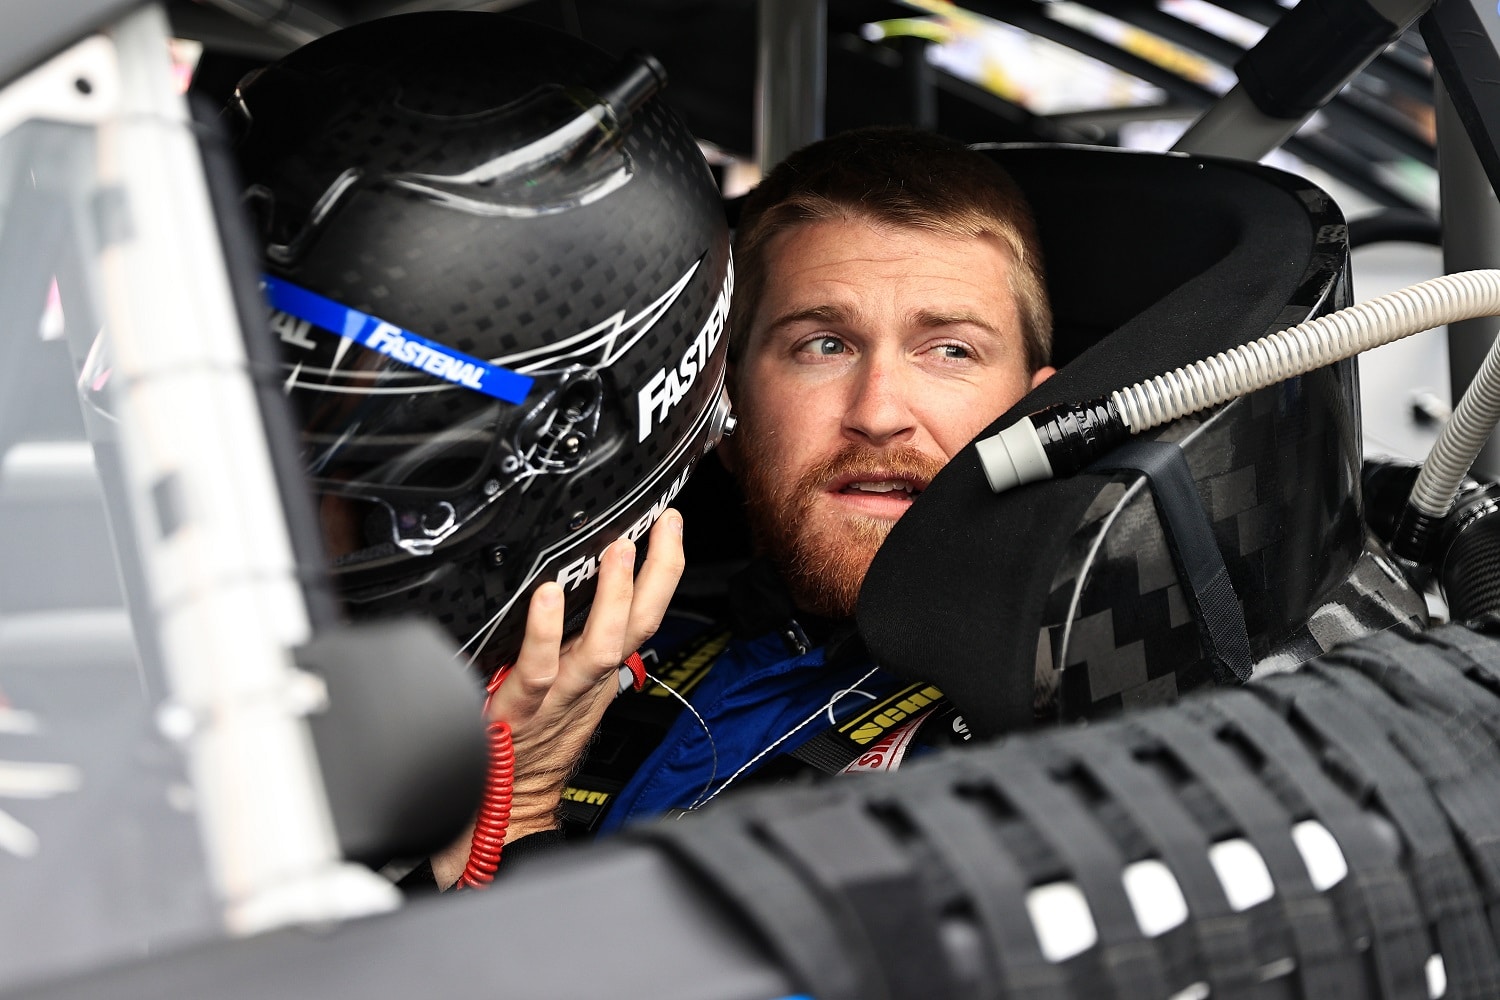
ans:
(221, 583)
(636, 924)
(1471, 239)
(1235, 127)
(35, 30)
(100, 856)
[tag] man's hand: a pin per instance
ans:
(557, 691)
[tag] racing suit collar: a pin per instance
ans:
(760, 603)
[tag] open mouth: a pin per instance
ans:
(876, 485)
(894, 488)
(862, 483)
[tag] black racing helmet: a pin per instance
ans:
(499, 270)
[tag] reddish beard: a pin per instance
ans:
(823, 556)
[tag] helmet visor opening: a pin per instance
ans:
(364, 530)
(358, 458)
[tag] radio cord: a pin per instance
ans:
(488, 840)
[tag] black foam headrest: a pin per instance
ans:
(1153, 261)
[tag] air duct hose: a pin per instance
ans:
(1062, 439)
(1451, 458)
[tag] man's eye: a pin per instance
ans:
(825, 346)
(955, 352)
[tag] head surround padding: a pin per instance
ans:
(1153, 262)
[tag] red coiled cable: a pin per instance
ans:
(494, 810)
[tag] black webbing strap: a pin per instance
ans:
(1341, 717)
(965, 843)
(1469, 714)
(839, 745)
(1129, 962)
(784, 908)
(873, 886)
(1444, 732)
(1472, 679)
(1480, 651)
(826, 752)
(1317, 938)
(634, 727)
(1223, 937)
(1434, 693)
(1441, 734)
(1384, 903)
(1478, 655)
(1205, 582)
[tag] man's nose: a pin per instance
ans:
(879, 403)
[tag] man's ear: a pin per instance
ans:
(1042, 374)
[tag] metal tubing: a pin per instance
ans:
(1471, 239)
(219, 569)
(791, 77)
(1235, 127)
(921, 82)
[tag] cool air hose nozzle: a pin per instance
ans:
(1056, 441)
(1060, 440)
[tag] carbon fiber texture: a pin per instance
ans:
(1281, 491)
(509, 271)
(1278, 474)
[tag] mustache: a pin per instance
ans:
(854, 461)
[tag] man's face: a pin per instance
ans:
(874, 355)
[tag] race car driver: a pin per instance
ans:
(890, 304)
(502, 286)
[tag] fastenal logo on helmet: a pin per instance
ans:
(452, 239)
(388, 340)
(668, 386)
(587, 567)
(395, 343)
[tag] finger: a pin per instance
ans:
(657, 580)
(600, 647)
(536, 665)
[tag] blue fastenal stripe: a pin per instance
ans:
(403, 346)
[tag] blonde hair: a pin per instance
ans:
(899, 177)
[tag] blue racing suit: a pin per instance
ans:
(759, 701)
(780, 694)
(762, 692)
